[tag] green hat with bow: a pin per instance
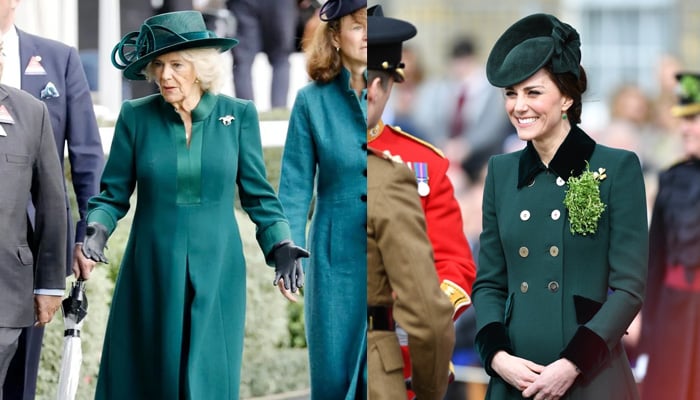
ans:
(530, 44)
(161, 34)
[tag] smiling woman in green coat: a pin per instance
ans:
(175, 329)
(562, 266)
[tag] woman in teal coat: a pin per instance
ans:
(175, 328)
(325, 151)
(562, 266)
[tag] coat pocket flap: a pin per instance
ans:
(24, 253)
(390, 353)
(17, 159)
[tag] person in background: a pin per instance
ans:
(453, 259)
(52, 72)
(402, 285)
(563, 256)
(325, 156)
(32, 254)
(399, 251)
(459, 113)
(399, 111)
(178, 311)
(670, 329)
(267, 26)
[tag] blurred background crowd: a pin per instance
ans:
(631, 51)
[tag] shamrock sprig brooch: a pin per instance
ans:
(583, 201)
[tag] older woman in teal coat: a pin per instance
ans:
(175, 328)
(325, 156)
(562, 266)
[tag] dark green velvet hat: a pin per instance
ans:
(385, 37)
(162, 34)
(688, 95)
(336, 9)
(530, 44)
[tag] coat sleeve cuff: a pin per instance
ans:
(586, 350)
(491, 339)
(458, 297)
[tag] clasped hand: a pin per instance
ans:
(92, 250)
(536, 381)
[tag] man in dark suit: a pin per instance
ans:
(51, 71)
(31, 256)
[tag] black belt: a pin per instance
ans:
(380, 318)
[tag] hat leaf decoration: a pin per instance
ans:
(566, 49)
(690, 86)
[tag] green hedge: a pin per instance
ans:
(274, 356)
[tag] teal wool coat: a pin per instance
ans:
(175, 327)
(325, 156)
(543, 293)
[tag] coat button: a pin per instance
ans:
(364, 146)
(364, 172)
(556, 214)
(560, 181)
(524, 215)
(553, 286)
(523, 251)
(363, 198)
(523, 287)
(554, 251)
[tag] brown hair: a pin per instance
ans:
(324, 62)
(572, 87)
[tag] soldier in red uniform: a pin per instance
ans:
(453, 259)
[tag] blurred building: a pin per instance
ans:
(623, 41)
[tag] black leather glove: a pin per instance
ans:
(286, 256)
(95, 242)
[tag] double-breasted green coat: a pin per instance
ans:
(543, 293)
(175, 327)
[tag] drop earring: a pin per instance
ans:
(563, 116)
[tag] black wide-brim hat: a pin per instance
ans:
(688, 95)
(336, 9)
(161, 34)
(530, 44)
(385, 37)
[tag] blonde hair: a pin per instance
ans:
(324, 62)
(208, 67)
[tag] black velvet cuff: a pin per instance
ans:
(586, 350)
(491, 339)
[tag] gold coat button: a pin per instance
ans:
(524, 215)
(523, 251)
(523, 287)
(556, 214)
(554, 251)
(560, 181)
(553, 286)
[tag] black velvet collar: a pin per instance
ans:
(569, 160)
